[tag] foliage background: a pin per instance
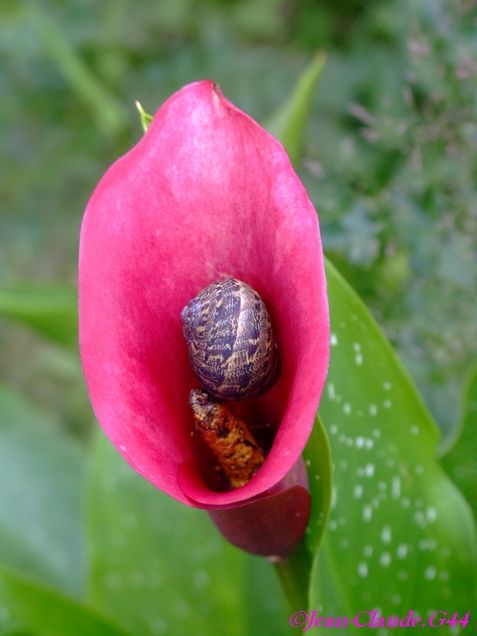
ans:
(390, 157)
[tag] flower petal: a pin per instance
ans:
(206, 194)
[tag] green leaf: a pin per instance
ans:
(49, 310)
(400, 534)
(162, 567)
(105, 107)
(289, 123)
(318, 461)
(460, 460)
(28, 609)
(41, 473)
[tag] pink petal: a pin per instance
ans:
(206, 194)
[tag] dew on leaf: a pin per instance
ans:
(385, 559)
(129, 521)
(358, 491)
(373, 409)
(419, 519)
(375, 502)
(333, 497)
(386, 535)
(396, 487)
(368, 551)
(402, 550)
(158, 625)
(181, 609)
(334, 340)
(367, 513)
(430, 573)
(369, 470)
(363, 569)
(201, 579)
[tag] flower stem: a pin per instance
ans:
(294, 575)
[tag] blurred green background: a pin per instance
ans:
(391, 163)
(390, 158)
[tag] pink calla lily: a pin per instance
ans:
(206, 194)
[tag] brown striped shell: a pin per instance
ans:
(230, 340)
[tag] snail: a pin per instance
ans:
(233, 353)
(230, 340)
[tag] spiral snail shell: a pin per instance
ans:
(230, 340)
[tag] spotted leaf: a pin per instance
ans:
(400, 535)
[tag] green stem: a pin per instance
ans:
(294, 575)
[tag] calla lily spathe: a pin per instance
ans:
(205, 194)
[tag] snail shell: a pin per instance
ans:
(230, 340)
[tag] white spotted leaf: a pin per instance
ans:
(400, 534)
